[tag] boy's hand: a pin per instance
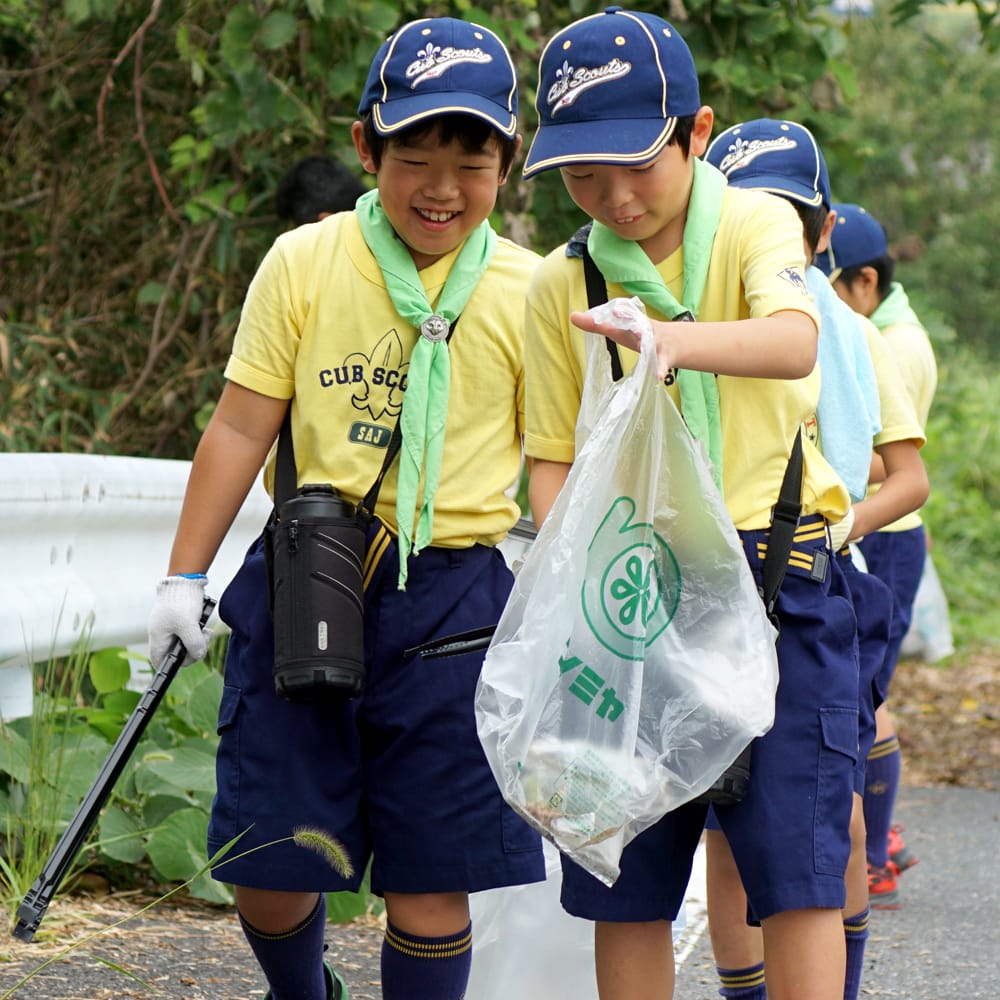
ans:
(177, 612)
(624, 321)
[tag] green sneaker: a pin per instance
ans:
(336, 988)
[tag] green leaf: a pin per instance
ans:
(121, 703)
(182, 41)
(77, 10)
(236, 43)
(15, 755)
(201, 708)
(183, 768)
(177, 847)
(279, 28)
(382, 17)
(151, 293)
(120, 837)
(157, 808)
(205, 887)
(109, 668)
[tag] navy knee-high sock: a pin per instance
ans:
(429, 968)
(742, 984)
(856, 937)
(292, 960)
(881, 786)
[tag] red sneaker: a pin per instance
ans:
(900, 856)
(882, 889)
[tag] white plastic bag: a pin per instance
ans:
(527, 946)
(929, 637)
(634, 660)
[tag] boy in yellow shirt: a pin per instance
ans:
(334, 323)
(621, 118)
(861, 270)
(863, 405)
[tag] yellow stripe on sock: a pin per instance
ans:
(884, 749)
(429, 949)
(755, 978)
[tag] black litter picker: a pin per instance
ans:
(36, 901)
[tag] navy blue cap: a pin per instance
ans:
(611, 87)
(441, 66)
(857, 238)
(773, 155)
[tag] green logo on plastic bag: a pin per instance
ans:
(632, 585)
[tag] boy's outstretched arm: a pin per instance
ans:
(228, 459)
(546, 480)
(782, 345)
(904, 488)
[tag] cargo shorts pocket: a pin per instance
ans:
(225, 808)
(838, 757)
(518, 837)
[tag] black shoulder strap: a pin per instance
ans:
(597, 294)
(784, 521)
(286, 476)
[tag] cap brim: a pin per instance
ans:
(397, 115)
(779, 185)
(618, 141)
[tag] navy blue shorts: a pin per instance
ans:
(790, 834)
(655, 869)
(897, 559)
(398, 773)
(872, 602)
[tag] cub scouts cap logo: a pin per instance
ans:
(777, 156)
(857, 238)
(610, 90)
(441, 66)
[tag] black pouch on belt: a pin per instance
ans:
(315, 546)
(317, 596)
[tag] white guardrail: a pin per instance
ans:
(83, 541)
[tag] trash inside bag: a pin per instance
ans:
(633, 661)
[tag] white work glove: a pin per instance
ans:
(177, 612)
(840, 530)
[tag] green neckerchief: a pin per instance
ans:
(623, 262)
(425, 404)
(894, 308)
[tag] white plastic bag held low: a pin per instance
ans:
(633, 661)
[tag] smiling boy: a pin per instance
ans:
(334, 323)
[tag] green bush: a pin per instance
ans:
(962, 456)
(153, 828)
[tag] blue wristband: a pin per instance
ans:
(192, 576)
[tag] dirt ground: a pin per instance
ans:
(947, 716)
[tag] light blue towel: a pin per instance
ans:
(849, 413)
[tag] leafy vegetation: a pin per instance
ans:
(152, 833)
(154, 826)
(140, 146)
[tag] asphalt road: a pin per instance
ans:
(942, 944)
